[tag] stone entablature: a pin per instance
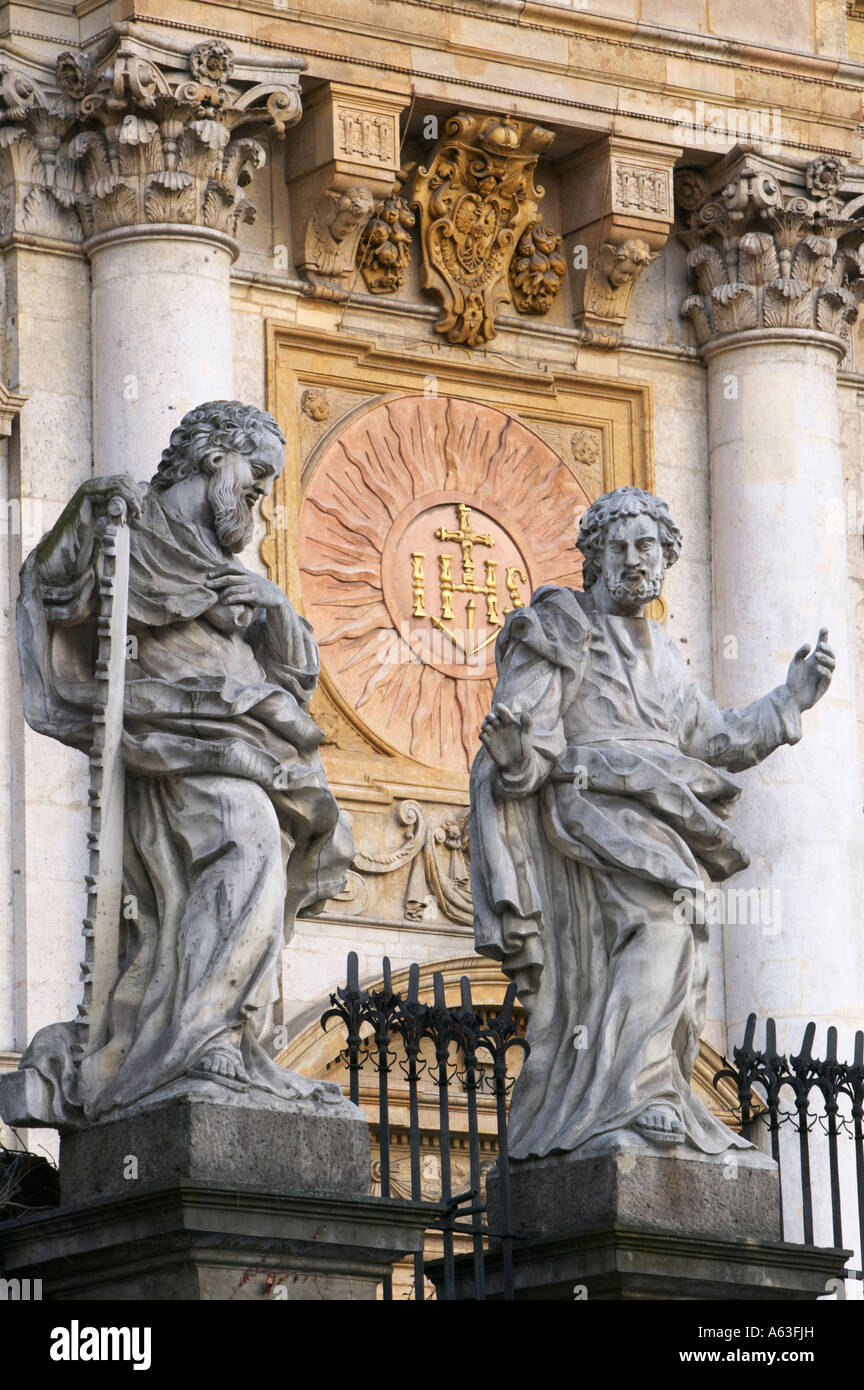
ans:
(138, 133)
(772, 244)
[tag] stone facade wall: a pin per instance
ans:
(607, 82)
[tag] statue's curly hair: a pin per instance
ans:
(212, 428)
(624, 501)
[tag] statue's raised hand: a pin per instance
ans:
(809, 677)
(99, 491)
(507, 736)
(68, 546)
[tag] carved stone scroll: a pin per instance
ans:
(439, 857)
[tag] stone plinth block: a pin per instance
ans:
(626, 1221)
(208, 1241)
(624, 1182)
(191, 1200)
(246, 1147)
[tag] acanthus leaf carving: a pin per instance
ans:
(770, 246)
(129, 140)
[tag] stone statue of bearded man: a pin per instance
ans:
(600, 794)
(230, 828)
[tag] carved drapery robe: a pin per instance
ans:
(230, 828)
(576, 858)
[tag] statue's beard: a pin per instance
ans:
(232, 517)
(632, 594)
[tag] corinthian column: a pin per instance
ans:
(774, 255)
(163, 149)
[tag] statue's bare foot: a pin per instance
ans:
(660, 1123)
(223, 1062)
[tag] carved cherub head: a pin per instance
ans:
(349, 211)
(626, 261)
(629, 540)
(223, 457)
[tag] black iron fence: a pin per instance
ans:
(812, 1109)
(462, 1054)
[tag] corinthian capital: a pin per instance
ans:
(772, 244)
(141, 132)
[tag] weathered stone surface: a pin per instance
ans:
(227, 828)
(735, 1196)
(199, 1140)
(624, 1222)
(598, 810)
(193, 1200)
(207, 1241)
(620, 1265)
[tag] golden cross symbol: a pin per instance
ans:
(466, 538)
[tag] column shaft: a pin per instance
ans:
(779, 574)
(161, 331)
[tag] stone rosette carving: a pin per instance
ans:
(774, 245)
(211, 62)
(537, 269)
(138, 137)
(332, 235)
(474, 200)
(424, 523)
(384, 248)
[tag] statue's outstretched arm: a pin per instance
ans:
(738, 739)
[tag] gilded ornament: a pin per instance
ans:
(474, 200)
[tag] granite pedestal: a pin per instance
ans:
(192, 1200)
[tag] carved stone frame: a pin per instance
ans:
(554, 406)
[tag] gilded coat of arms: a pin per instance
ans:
(474, 200)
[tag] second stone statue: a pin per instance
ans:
(598, 809)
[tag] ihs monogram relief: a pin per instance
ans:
(424, 523)
(474, 200)
(472, 641)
